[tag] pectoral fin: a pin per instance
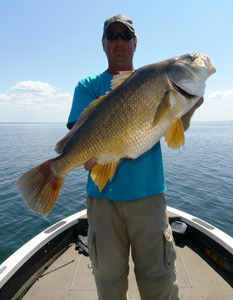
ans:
(101, 173)
(175, 135)
(163, 108)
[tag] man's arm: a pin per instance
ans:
(187, 117)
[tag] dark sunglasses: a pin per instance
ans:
(113, 35)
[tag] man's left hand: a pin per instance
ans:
(187, 117)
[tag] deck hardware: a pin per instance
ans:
(179, 227)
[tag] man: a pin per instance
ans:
(130, 212)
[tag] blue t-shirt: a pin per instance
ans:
(134, 179)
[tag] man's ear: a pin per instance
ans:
(103, 44)
(135, 43)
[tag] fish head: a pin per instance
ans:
(189, 72)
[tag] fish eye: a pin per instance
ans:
(192, 57)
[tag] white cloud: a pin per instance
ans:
(34, 96)
(5, 97)
(33, 86)
(218, 106)
(221, 94)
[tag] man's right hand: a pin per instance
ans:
(90, 163)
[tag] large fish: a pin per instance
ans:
(142, 107)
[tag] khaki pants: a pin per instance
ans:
(141, 224)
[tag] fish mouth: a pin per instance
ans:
(211, 69)
(182, 91)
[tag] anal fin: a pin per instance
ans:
(175, 135)
(101, 173)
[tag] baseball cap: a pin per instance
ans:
(120, 19)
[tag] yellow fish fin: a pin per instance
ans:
(83, 117)
(163, 108)
(101, 173)
(120, 78)
(175, 135)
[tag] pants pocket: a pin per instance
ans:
(169, 249)
(92, 247)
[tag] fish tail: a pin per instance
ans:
(40, 188)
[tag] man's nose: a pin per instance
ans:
(119, 40)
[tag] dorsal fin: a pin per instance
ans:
(115, 83)
(89, 110)
(120, 78)
(83, 117)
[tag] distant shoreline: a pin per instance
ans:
(32, 123)
(48, 123)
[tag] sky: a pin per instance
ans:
(47, 46)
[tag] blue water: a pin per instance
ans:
(199, 178)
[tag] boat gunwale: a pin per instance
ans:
(215, 234)
(14, 262)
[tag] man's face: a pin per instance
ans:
(119, 51)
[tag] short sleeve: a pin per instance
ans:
(87, 90)
(83, 96)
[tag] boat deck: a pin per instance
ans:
(70, 278)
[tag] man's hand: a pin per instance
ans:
(90, 163)
(187, 117)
